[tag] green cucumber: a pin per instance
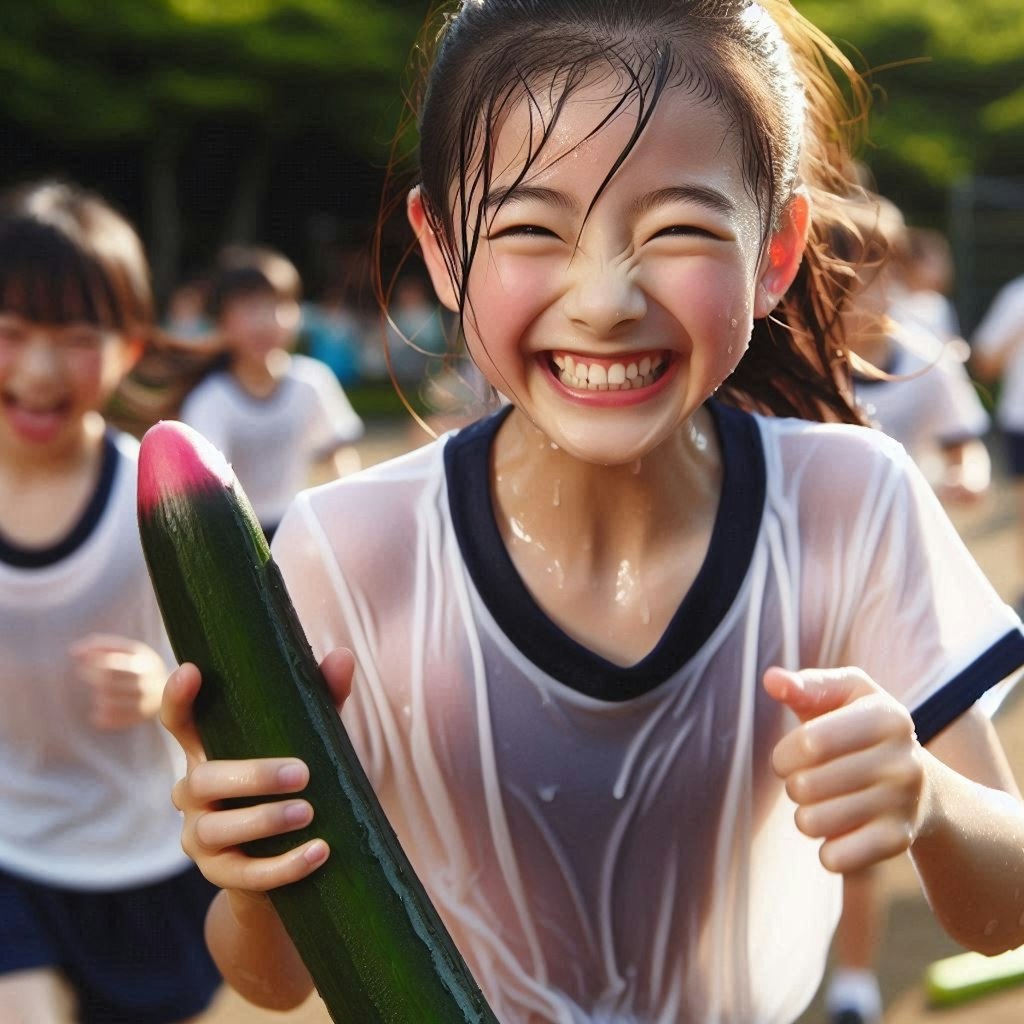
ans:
(362, 923)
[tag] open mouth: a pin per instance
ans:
(35, 421)
(593, 374)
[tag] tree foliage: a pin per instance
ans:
(948, 80)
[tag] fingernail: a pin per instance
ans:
(291, 775)
(316, 852)
(297, 813)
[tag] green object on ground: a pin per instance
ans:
(965, 976)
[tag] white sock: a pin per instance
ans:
(850, 989)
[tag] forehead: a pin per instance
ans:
(575, 143)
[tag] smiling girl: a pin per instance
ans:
(587, 628)
(100, 913)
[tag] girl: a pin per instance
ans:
(100, 912)
(588, 627)
(275, 415)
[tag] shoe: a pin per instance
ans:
(848, 1017)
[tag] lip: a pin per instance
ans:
(612, 399)
(35, 426)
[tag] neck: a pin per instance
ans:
(260, 374)
(599, 515)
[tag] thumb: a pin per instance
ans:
(816, 691)
(337, 668)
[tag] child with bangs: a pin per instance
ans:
(640, 673)
(101, 914)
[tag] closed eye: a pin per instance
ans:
(684, 231)
(522, 231)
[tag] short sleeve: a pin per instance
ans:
(928, 626)
(334, 421)
(203, 411)
(959, 414)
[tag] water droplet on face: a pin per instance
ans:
(554, 447)
(407, 711)
(557, 500)
(547, 793)
(730, 349)
(636, 467)
(734, 323)
(645, 612)
(990, 928)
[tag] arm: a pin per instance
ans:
(868, 790)
(967, 471)
(245, 936)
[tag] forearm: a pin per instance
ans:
(969, 856)
(254, 953)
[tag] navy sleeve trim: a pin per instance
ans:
(949, 703)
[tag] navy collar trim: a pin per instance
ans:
(733, 539)
(37, 558)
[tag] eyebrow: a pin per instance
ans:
(710, 198)
(521, 193)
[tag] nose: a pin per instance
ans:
(604, 296)
(39, 357)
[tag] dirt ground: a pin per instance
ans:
(912, 940)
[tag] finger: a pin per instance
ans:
(114, 663)
(217, 830)
(233, 869)
(176, 711)
(866, 846)
(213, 781)
(337, 669)
(99, 643)
(865, 723)
(833, 818)
(816, 691)
(886, 763)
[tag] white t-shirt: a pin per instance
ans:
(1001, 328)
(932, 405)
(82, 807)
(272, 443)
(610, 844)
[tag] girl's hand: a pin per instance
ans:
(125, 678)
(212, 836)
(853, 766)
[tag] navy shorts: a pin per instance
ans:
(1014, 442)
(134, 956)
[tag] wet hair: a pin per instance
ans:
(242, 271)
(66, 255)
(763, 64)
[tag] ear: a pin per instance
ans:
(132, 352)
(430, 246)
(785, 251)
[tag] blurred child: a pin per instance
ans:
(273, 413)
(101, 914)
(922, 280)
(910, 382)
(915, 389)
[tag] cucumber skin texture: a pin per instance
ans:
(365, 928)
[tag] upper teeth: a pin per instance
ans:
(615, 377)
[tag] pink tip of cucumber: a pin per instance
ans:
(176, 460)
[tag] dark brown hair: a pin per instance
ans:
(763, 63)
(66, 255)
(245, 270)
